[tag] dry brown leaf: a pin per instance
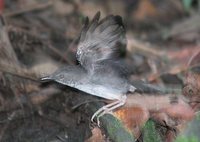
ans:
(139, 108)
(145, 8)
(96, 136)
(183, 55)
(133, 118)
(192, 82)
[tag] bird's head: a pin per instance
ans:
(68, 75)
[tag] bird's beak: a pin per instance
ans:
(46, 78)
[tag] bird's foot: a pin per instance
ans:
(100, 112)
(107, 109)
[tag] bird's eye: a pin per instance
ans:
(79, 52)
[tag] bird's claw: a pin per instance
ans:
(98, 121)
(102, 111)
(107, 109)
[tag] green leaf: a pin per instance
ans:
(187, 139)
(191, 132)
(187, 4)
(150, 132)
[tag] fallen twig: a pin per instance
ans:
(28, 9)
(18, 71)
(137, 45)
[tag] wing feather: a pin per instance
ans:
(100, 41)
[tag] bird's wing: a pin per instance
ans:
(100, 40)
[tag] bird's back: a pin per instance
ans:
(108, 82)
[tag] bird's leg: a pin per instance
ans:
(119, 104)
(108, 109)
(103, 109)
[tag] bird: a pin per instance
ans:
(100, 71)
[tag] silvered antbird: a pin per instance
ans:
(100, 71)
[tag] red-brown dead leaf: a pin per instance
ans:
(180, 111)
(182, 56)
(141, 105)
(96, 136)
(1, 5)
(170, 136)
(133, 118)
(195, 59)
(192, 82)
(192, 90)
(145, 9)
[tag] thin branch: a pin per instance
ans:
(28, 9)
(134, 44)
(18, 71)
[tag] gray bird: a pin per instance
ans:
(100, 71)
